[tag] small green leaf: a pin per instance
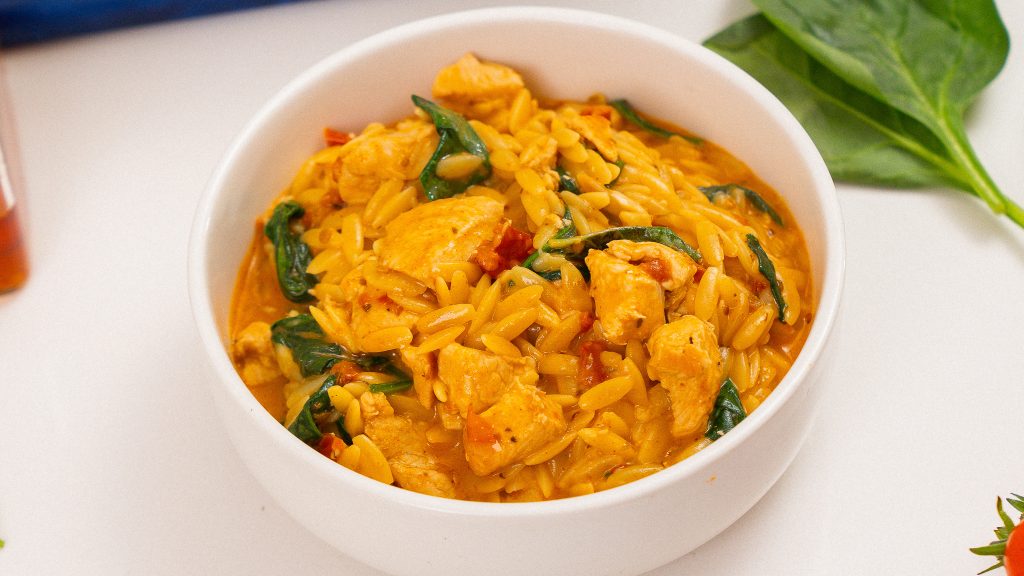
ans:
(456, 136)
(1017, 502)
(752, 196)
(629, 113)
(767, 269)
(727, 413)
(291, 255)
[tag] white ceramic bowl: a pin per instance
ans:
(565, 54)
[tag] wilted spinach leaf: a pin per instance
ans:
(767, 269)
(752, 196)
(312, 352)
(576, 247)
(291, 255)
(629, 113)
(727, 413)
(305, 427)
(456, 136)
(566, 181)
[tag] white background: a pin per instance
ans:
(112, 460)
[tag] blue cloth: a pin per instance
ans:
(25, 21)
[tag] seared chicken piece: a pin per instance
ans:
(404, 444)
(521, 422)
(377, 155)
(475, 379)
(686, 360)
(506, 417)
(630, 298)
(365, 309)
(670, 267)
(417, 242)
(424, 373)
(596, 128)
(253, 353)
(470, 79)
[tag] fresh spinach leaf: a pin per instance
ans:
(881, 87)
(576, 247)
(312, 352)
(305, 426)
(456, 136)
(727, 413)
(629, 113)
(291, 255)
(752, 196)
(767, 269)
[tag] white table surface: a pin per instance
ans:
(112, 460)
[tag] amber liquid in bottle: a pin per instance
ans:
(13, 263)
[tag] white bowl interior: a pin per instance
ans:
(562, 54)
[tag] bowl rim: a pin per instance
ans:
(828, 294)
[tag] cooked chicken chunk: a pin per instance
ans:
(443, 231)
(469, 79)
(596, 128)
(670, 267)
(686, 360)
(475, 379)
(630, 298)
(505, 416)
(376, 157)
(253, 353)
(424, 373)
(404, 444)
(521, 422)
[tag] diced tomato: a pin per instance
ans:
(368, 301)
(587, 321)
(346, 371)
(479, 430)
(331, 446)
(657, 269)
(511, 248)
(334, 137)
(590, 370)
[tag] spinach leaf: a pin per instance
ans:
(391, 387)
(566, 181)
(753, 197)
(311, 351)
(305, 426)
(401, 382)
(291, 255)
(629, 113)
(881, 87)
(566, 231)
(727, 413)
(456, 136)
(576, 247)
(767, 269)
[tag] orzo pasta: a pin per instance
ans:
(501, 298)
